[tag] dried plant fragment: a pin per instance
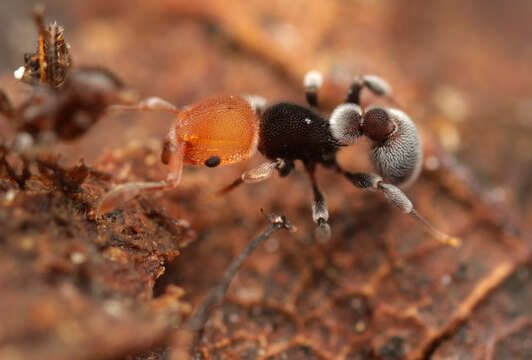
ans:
(51, 62)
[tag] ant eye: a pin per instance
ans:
(377, 85)
(213, 161)
(345, 122)
(377, 124)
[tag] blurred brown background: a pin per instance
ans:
(461, 69)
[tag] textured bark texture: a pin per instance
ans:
(77, 286)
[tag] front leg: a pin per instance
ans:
(6, 108)
(149, 104)
(172, 155)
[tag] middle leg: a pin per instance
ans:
(320, 211)
(172, 155)
(262, 172)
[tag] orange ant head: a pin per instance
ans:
(216, 131)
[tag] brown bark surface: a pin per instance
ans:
(74, 286)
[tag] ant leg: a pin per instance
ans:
(374, 83)
(173, 153)
(257, 103)
(320, 212)
(397, 198)
(262, 172)
(149, 104)
(312, 82)
(286, 168)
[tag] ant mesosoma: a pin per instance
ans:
(227, 129)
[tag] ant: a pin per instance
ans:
(223, 130)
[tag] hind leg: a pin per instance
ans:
(373, 83)
(396, 197)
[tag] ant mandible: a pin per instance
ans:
(227, 129)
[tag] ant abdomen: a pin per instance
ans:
(398, 157)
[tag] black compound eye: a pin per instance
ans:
(213, 161)
(377, 125)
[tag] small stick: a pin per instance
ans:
(276, 222)
(38, 14)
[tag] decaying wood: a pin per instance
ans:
(76, 286)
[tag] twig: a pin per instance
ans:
(197, 322)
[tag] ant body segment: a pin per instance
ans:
(227, 129)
